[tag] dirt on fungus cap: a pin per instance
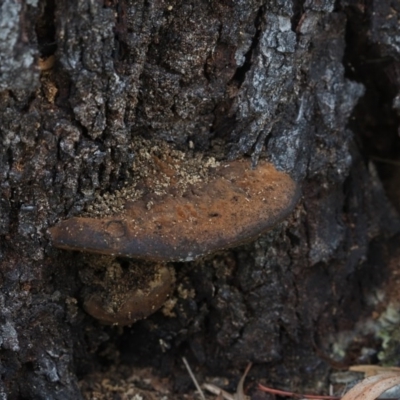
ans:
(137, 304)
(236, 206)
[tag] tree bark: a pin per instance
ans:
(303, 84)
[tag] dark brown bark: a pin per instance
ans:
(301, 83)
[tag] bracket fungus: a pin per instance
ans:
(121, 295)
(235, 206)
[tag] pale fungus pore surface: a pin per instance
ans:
(117, 294)
(234, 205)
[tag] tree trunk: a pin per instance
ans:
(308, 85)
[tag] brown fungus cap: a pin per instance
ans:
(125, 295)
(237, 205)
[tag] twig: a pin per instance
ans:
(217, 391)
(239, 395)
(193, 378)
(385, 160)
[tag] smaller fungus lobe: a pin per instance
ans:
(121, 295)
(237, 205)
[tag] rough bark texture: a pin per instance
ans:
(301, 83)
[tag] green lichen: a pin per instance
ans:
(389, 332)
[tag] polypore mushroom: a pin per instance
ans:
(117, 295)
(237, 205)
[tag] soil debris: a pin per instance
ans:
(157, 167)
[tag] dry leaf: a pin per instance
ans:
(370, 370)
(372, 387)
